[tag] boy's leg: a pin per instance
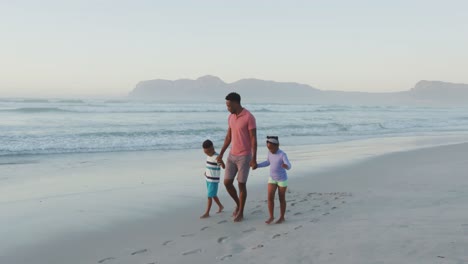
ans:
(271, 201)
(282, 199)
(221, 207)
(208, 208)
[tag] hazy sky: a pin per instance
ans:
(59, 48)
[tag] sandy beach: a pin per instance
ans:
(401, 207)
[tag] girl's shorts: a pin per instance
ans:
(279, 183)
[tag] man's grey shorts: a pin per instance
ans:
(239, 165)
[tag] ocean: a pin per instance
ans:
(56, 126)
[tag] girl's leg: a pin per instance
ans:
(208, 207)
(271, 201)
(282, 199)
(221, 207)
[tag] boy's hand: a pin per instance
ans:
(284, 166)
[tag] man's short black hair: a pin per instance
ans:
(233, 97)
(207, 144)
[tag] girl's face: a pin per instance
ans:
(272, 147)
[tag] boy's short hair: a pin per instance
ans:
(233, 97)
(207, 144)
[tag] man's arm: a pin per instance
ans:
(253, 141)
(227, 142)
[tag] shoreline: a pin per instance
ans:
(145, 230)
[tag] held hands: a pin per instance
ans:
(253, 164)
(222, 164)
(220, 161)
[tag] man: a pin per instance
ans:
(242, 133)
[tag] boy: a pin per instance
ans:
(279, 163)
(212, 173)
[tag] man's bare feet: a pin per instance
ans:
(269, 220)
(239, 218)
(281, 220)
(235, 212)
(206, 215)
(220, 209)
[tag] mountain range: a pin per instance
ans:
(212, 89)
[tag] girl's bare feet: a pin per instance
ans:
(220, 209)
(206, 215)
(281, 220)
(269, 220)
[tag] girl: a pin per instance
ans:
(279, 163)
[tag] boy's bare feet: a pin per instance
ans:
(269, 220)
(281, 220)
(220, 209)
(206, 215)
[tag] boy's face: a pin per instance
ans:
(272, 147)
(209, 151)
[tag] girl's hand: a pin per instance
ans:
(284, 166)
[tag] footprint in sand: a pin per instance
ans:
(257, 247)
(225, 257)
(166, 242)
(188, 235)
(298, 213)
(257, 212)
(293, 204)
(303, 200)
(327, 213)
(204, 228)
(298, 227)
(139, 251)
(314, 220)
(106, 259)
(222, 222)
(334, 207)
(194, 251)
(276, 236)
(222, 239)
(249, 230)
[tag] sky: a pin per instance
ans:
(99, 48)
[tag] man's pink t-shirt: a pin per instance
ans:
(240, 137)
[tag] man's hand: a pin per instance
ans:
(253, 164)
(221, 163)
(285, 166)
(219, 159)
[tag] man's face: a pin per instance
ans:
(231, 106)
